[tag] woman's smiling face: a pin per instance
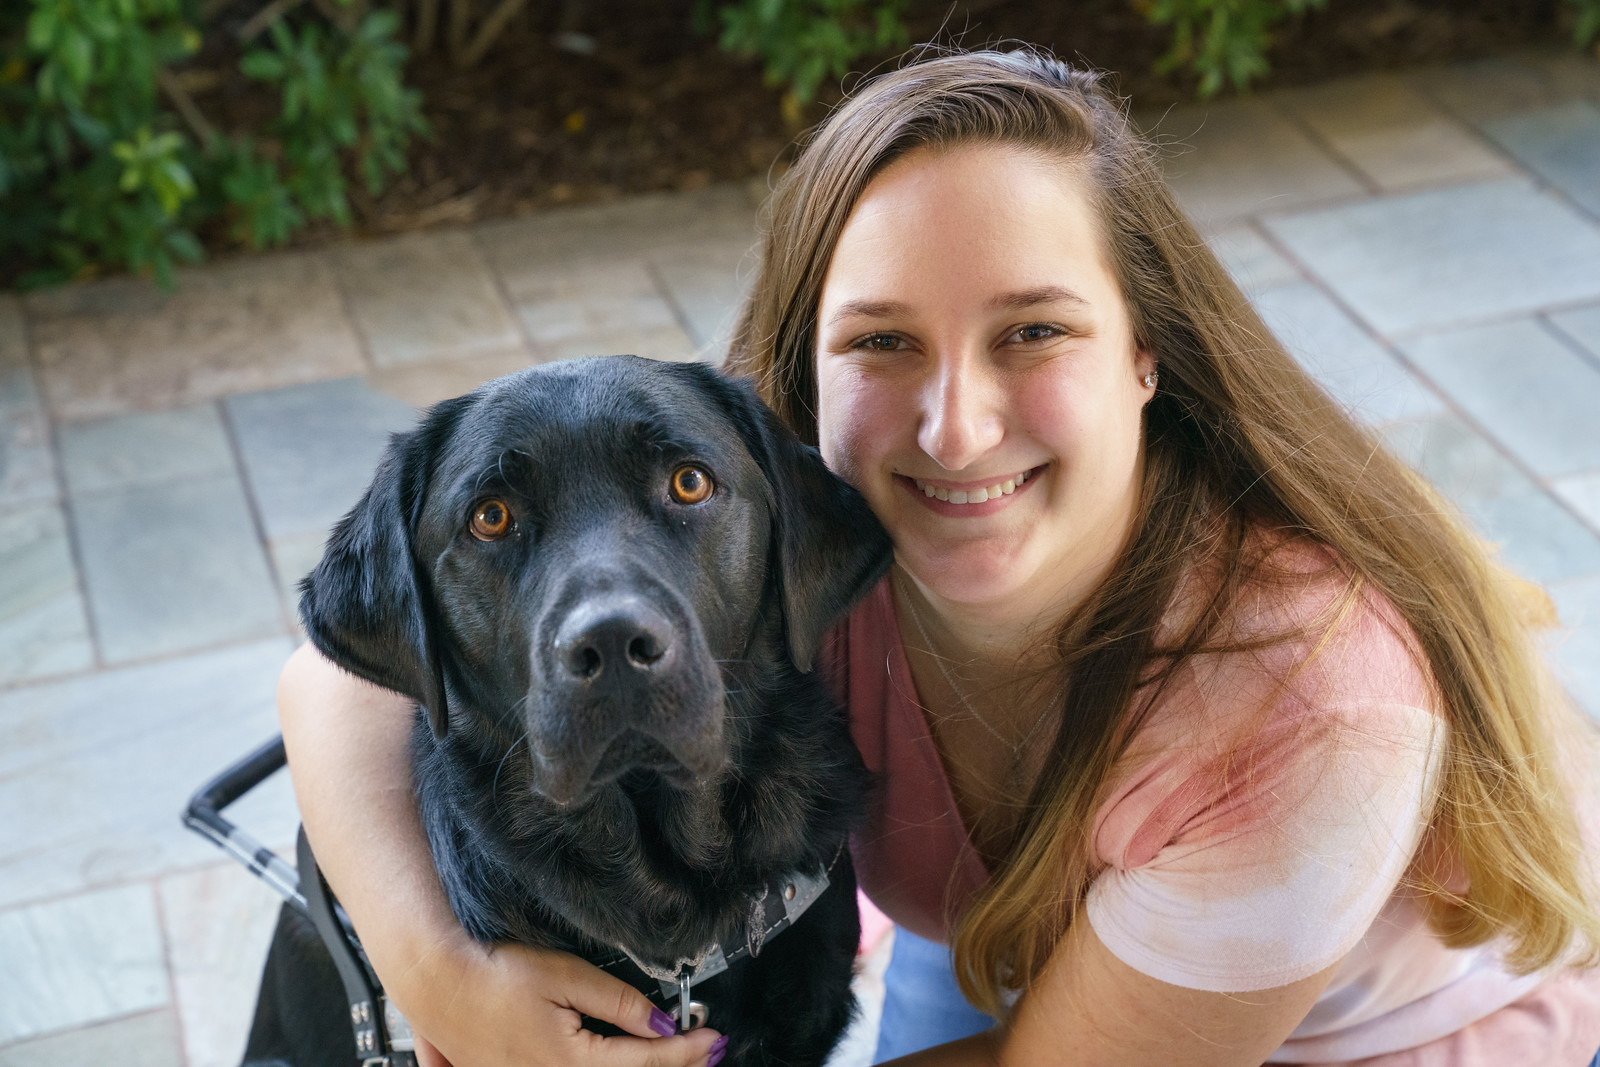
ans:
(971, 336)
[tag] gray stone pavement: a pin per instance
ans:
(1428, 244)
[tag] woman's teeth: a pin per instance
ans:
(973, 496)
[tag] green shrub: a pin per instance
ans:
(105, 162)
(96, 169)
(341, 94)
(1586, 21)
(1221, 41)
(804, 41)
(91, 169)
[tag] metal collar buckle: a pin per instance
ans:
(780, 905)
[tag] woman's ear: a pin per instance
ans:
(1148, 374)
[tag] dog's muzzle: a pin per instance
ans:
(623, 686)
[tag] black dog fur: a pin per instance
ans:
(577, 807)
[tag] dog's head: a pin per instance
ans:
(574, 550)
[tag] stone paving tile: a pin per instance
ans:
(309, 451)
(1570, 75)
(106, 347)
(143, 448)
(627, 228)
(1243, 157)
(81, 960)
(1438, 258)
(424, 384)
(43, 627)
(1494, 87)
(219, 922)
(27, 467)
(1581, 493)
(96, 769)
(1538, 537)
(1527, 388)
(1346, 360)
(1393, 134)
(1560, 143)
(1252, 260)
(660, 342)
(424, 296)
(293, 557)
(146, 1040)
(1583, 326)
(174, 567)
(600, 306)
(1576, 651)
(705, 285)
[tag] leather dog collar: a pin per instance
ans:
(777, 907)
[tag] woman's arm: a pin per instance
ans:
(1089, 1009)
(349, 756)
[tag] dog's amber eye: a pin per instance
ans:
(491, 520)
(691, 484)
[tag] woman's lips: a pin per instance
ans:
(969, 499)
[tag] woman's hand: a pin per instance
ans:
(512, 1004)
(481, 1006)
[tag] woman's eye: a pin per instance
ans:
(491, 520)
(691, 484)
(1036, 331)
(879, 342)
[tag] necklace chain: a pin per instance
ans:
(1018, 747)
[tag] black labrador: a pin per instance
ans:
(605, 584)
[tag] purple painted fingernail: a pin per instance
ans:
(662, 1023)
(719, 1049)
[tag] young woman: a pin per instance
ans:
(1207, 735)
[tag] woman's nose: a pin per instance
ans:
(960, 419)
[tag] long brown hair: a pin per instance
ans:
(1237, 438)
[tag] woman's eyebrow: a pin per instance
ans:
(1016, 300)
(1020, 299)
(871, 309)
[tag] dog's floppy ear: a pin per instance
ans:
(829, 546)
(367, 605)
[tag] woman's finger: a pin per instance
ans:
(685, 1050)
(586, 988)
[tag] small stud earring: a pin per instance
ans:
(1151, 379)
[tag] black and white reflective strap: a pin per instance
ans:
(780, 905)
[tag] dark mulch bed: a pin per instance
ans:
(659, 106)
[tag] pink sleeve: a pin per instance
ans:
(1268, 864)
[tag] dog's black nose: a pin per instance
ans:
(621, 636)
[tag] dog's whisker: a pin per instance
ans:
(495, 782)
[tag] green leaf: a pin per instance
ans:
(185, 246)
(166, 277)
(75, 53)
(42, 29)
(262, 66)
(1587, 25)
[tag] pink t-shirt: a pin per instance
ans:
(1255, 833)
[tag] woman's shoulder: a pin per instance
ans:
(1310, 699)
(1303, 653)
(1303, 622)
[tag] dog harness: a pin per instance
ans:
(779, 906)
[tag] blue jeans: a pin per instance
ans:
(922, 1005)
